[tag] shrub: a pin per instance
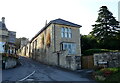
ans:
(113, 70)
(99, 73)
(48, 40)
(108, 75)
(96, 68)
(92, 51)
(43, 39)
(114, 78)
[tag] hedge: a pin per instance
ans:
(92, 51)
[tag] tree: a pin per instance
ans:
(106, 29)
(18, 43)
(106, 25)
(88, 42)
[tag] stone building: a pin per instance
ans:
(6, 37)
(58, 43)
(111, 59)
(23, 46)
(3, 34)
(24, 42)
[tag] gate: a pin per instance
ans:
(87, 62)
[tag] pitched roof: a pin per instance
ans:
(57, 21)
(64, 22)
(3, 26)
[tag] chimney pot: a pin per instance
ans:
(3, 19)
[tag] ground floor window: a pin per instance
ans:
(2, 47)
(70, 47)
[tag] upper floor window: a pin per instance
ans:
(66, 32)
(69, 33)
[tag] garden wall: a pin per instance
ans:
(9, 63)
(110, 59)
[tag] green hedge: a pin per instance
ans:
(92, 51)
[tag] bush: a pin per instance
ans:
(6, 55)
(109, 74)
(114, 78)
(97, 68)
(113, 70)
(92, 51)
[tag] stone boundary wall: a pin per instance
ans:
(10, 63)
(110, 59)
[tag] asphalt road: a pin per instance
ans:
(31, 70)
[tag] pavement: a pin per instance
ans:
(31, 70)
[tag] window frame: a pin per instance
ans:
(66, 32)
(70, 47)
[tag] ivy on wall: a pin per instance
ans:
(43, 39)
(48, 39)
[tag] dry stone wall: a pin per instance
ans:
(111, 59)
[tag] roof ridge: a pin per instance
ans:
(65, 22)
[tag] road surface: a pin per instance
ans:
(31, 70)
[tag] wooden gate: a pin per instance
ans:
(87, 62)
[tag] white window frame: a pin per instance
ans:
(62, 32)
(66, 32)
(69, 33)
(70, 47)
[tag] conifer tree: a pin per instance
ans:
(106, 25)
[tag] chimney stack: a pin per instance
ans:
(3, 19)
(46, 23)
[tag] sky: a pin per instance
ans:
(28, 17)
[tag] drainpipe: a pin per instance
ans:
(58, 54)
(54, 39)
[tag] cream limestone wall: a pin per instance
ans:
(27, 48)
(75, 39)
(40, 51)
(43, 53)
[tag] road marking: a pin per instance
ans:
(21, 63)
(27, 76)
(30, 79)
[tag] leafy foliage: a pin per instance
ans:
(48, 40)
(18, 43)
(92, 51)
(110, 75)
(43, 39)
(88, 42)
(105, 26)
(106, 30)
